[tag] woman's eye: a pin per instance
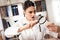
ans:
(30, 12)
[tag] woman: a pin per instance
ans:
(29, 25)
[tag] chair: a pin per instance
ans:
(9, 22)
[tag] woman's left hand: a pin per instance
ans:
(52, 27)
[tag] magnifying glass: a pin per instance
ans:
(41, 21)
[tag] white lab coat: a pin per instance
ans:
(30, 34)
(34, 33)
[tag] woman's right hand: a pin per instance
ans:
(32, 23)
(28, 26)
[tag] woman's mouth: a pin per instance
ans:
(33, 17)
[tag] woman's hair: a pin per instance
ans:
(28, 4)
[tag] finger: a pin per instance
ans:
(49, 23)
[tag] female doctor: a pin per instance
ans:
(29, 25)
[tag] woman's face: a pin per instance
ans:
(30, 13)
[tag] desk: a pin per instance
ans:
(1, 38)
(49, 37)
(52, 39)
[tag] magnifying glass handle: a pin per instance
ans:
(39, 27)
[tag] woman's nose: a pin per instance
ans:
(33, 14)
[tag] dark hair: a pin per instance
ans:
(27, 4)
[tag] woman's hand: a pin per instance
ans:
(28, 26)
(32, 23)
(52, 27)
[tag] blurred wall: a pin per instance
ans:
(53, 9)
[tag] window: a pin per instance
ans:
(40, 6)
(7, 11)
(14, 10)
